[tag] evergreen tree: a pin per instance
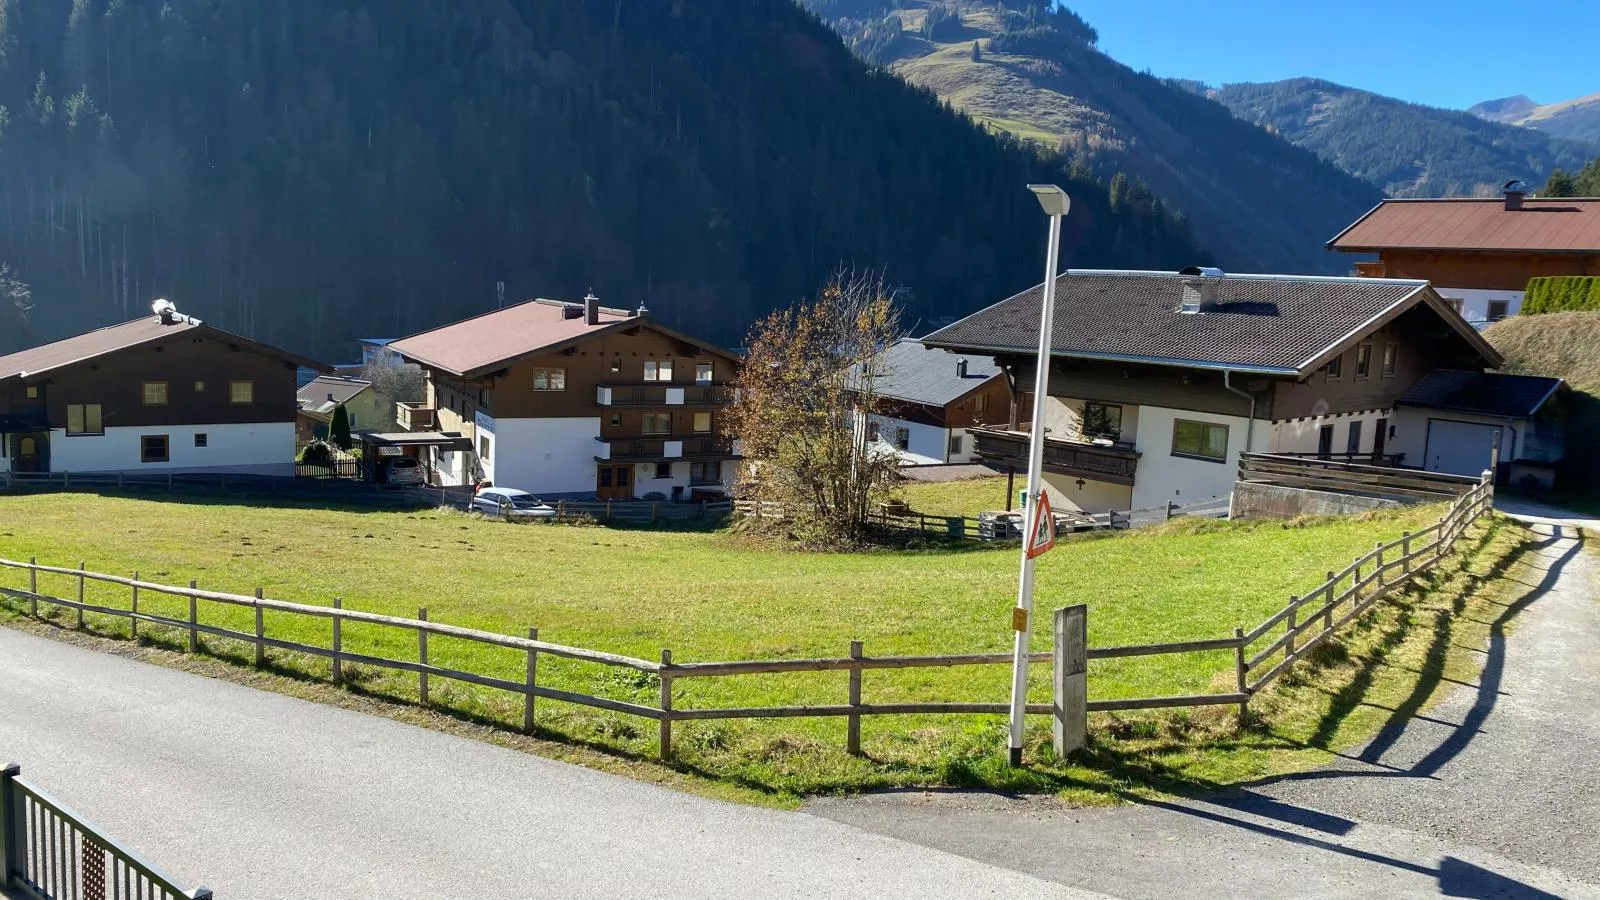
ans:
(1560, 184)
(339, 428)
(977, 54)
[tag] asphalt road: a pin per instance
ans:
(256, 795)
(1493, 793)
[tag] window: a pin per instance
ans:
(622, 475)
(702, 423)
(1454, 303)
(153, 448)
(1335, 368)
(663, 470)
(84, 418)
(199, 387)
(32, 392)
(705, 472)
(200, 439)
(872, 431)
(1352, 443)
(605, 476)
(546, 379)
(1363, 361)
(980, 404)
(1200, 440)
(656, 423)
(484, 445)
(616, 364)
(658, 370)
(616, 420)
(155, 393)
(1391, 354)
(241, 392)
(1498, 310)
(703, 373)
(902, 438)
(955, 445)
(1102, 420)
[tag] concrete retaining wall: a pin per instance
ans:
(1269, 501)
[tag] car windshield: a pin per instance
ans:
(525, 502)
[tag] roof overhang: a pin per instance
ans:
(1555, 388)
(1213, 365)
(1423, 294)
(487, 368)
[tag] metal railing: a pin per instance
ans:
(49, 852)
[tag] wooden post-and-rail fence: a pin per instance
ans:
(1289, 635)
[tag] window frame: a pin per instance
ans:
(199, 386)
(161, 389)
(31, 392)
(1391, 360)
(249, 386)
(202, 439)
(1363, 370)
(710, 370)
(554, 379)
(646, 420)
(616, 364)
(694, 423)
(902, 439)
(663, 471)
(954, 447)
(1114, 434)
(166, 448)
(83, 419)
(698, 470)
(486, 448)
(655, 369)
(1334, 370)
(980, 404)
(1205, 429)
(1488, 310)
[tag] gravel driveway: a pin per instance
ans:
(1493, 793)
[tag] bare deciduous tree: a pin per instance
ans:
(808, 384)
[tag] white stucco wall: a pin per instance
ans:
(452, 467)
(1300, 435)
(928, 443)
(542, 456)
(646, 482)
(1092, 497)
(264, 448)
(1475, 302)
(1164, 478)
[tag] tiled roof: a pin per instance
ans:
(1551, 226)
(87, 346)
(314, 395)
(493, 339)
(921, 374)
(1487, 393)
(1266, 323)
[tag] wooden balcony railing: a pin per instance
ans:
(414, 416)
(1095, 462)
(663, 393)
(668, 448)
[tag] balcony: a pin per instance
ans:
(1095, 462)
(667, 449)
(414, 416)
(663, 393)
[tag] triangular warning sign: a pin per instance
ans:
(1042, 530)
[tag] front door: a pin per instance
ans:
(613, 482)
(1325, 441)
(30, 453)
(1380, 438)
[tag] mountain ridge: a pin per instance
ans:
(1575, 119)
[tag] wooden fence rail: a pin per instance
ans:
(1289, 636)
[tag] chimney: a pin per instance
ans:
(1199, 288)
(961, 368)
(571, 311)
(165, 311)
(1515, 191)
(643, 311)
(591, 308)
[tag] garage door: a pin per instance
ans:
(1459, 448)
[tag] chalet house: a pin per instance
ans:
(325, 393)
(1478, 253)
(1159, 380)
(164, 393)
(929, 400)
(575, 400)
(1450, 421)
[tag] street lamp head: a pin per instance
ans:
(1054, 200)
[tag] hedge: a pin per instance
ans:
(1566, 293)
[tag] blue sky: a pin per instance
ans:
(1450, 53)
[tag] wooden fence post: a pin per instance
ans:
(338, 642)
(194, 619)
(1294, 611)
(666, 705)
(608, 510)
(1405, 552)
(1172, 506)
(1070, 655)
(853, 723)
(1327, 617)
(133, 607)
(533, 678)
(1380, 565)
(422, 657)
(33, 586)
(261, 632)
(1239, 670)
(81, 566)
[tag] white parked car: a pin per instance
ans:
(404, 470)
(497, 501)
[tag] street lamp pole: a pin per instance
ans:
(1056, 203)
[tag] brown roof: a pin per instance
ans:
(47, 357)
(496, 339)
(1550, 226)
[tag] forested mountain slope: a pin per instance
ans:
(308, 173)
(1406, 149)
(1255, 201)
(1577, 119)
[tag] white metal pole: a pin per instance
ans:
(1041, 390)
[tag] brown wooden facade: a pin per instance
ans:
(1479, 269)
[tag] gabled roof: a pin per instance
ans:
(1286, 325)
(314, 396)
(494, 340)
(37, 361)
(1486, 393)
(1544, 226)
(917, 373)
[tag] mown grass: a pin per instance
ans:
(967, 497)
(717, 596)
